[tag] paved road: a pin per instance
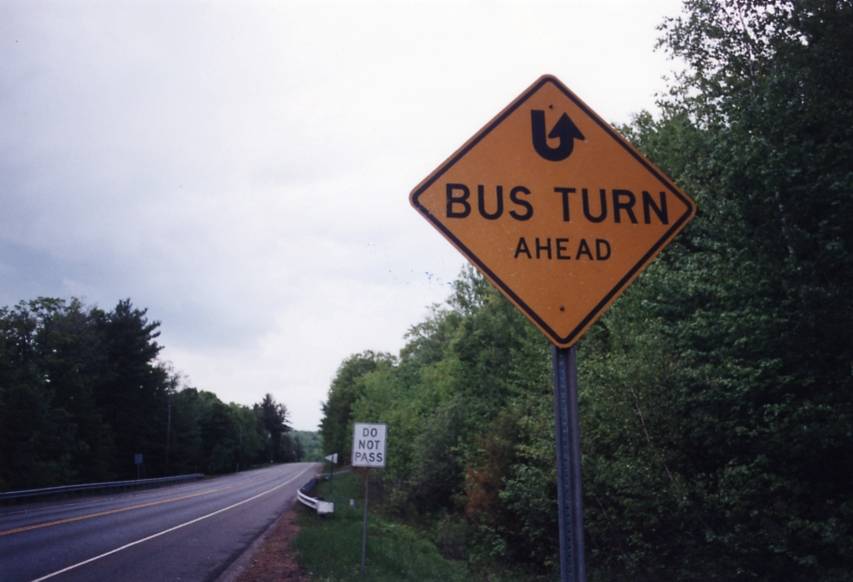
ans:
(186, 532)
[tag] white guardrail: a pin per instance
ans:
(321, 506)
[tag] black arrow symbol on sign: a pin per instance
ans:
(565, 129)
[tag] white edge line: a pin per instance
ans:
(171, 529)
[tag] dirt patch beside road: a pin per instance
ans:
(274, 561)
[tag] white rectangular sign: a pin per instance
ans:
(368, 444)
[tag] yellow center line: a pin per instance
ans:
(173, 528)
(22, 529)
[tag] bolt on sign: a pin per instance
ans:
(368, 444)
(555, 208)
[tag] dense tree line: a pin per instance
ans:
(307, 444)
(82, 392)
(717, 393)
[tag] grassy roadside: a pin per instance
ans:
(329, 548)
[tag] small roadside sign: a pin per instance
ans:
(368, 450)
(368, 445)
(333, 458)
(138, 461)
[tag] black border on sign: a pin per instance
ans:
(573, 336)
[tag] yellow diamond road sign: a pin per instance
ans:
(555, 208)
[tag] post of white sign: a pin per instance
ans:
(368, 451)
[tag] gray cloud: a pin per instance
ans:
(242, 169)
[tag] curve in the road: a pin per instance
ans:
(51, 540)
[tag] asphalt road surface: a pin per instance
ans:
(187, 532)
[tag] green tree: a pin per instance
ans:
(336, 425)
(274, 419)
(71, 361)
(719, 422)
(185, 450)
(311, 445)
(82, 390)
(132, 390)
(51, 430)
(250, 436)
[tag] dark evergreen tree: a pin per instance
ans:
(274, 419)
(133, 389)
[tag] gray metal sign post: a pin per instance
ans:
(333, 459)
(364, 524)
(569, 494)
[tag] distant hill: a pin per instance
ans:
(311, 443)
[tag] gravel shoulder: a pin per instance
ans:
(271, 557)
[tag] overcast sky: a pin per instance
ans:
(242, 169)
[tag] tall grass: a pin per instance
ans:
(329, 547)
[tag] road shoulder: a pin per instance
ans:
(270, 557)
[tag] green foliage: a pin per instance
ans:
(336, 426)
(81, 391)
(131, 388)
(308, 445)
(273, 417)
(471, 381)
(394, 551)
(717, 394)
